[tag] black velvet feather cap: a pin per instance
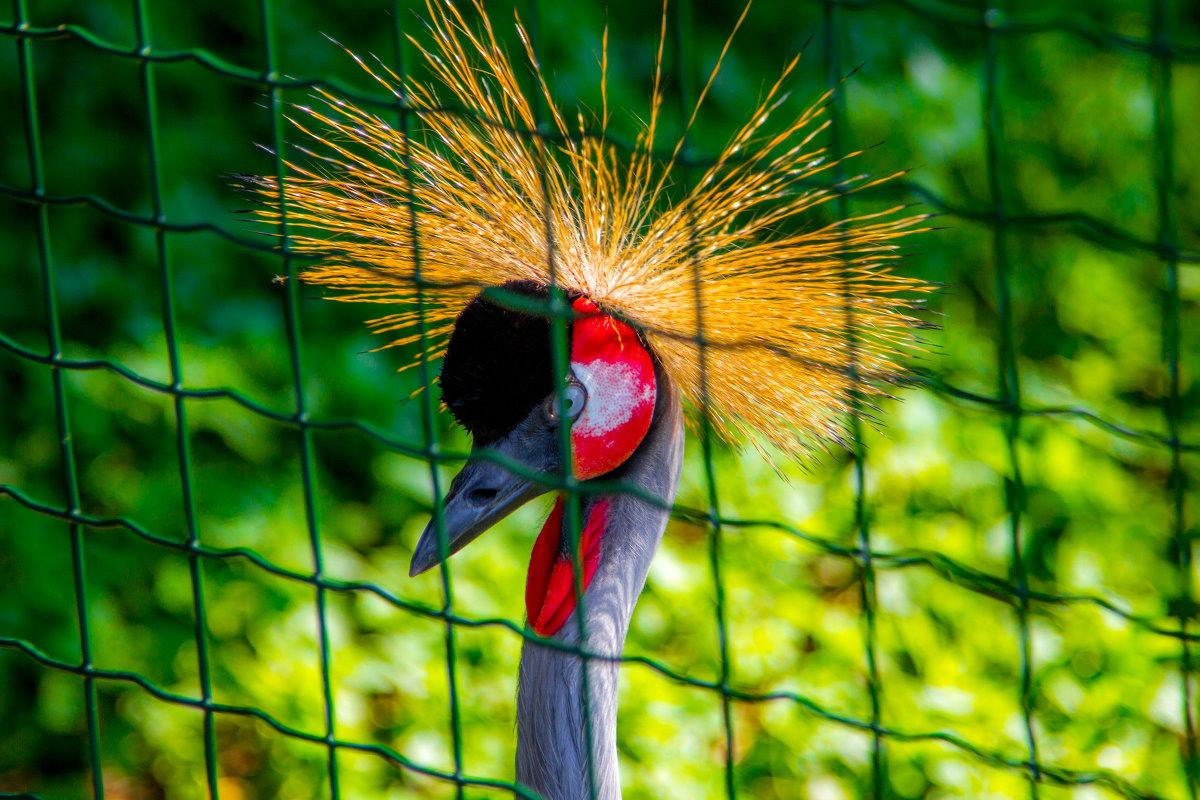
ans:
(498, 364)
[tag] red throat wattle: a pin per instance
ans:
(550, 586)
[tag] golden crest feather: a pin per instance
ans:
(795, 324)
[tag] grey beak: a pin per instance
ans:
(485, 492)
(480, 496)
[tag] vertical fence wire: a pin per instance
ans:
(560, 314)
(66, 447)
(1164, 181)
(301, 416)
(430, 445)
(836, 83)
(1009, 383)
(686, 97)
(146, 71)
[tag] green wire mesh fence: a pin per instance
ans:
(62, 370)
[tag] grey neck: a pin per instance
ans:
(552, 758)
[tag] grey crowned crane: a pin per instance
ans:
(626, 425)
(799, 317)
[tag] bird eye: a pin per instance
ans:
(575, 397)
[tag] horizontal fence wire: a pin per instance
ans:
(994, 25)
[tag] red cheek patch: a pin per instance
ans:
(550, 586)
(609, 360)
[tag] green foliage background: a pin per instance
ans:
(1091, 296)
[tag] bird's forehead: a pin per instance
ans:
(498, 363)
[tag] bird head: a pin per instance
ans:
(498, 381)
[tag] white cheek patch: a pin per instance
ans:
(615, 391)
